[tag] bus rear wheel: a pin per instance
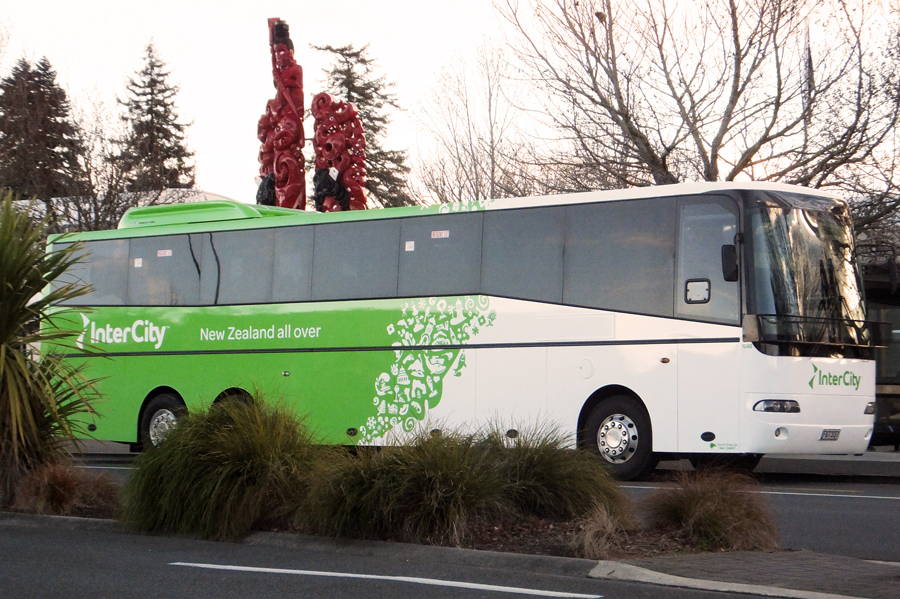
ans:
(159, 418)
(618, 431)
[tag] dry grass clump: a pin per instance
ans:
(602, 532)
(221, 473)
(714, 510)
(63, 490)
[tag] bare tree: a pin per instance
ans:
(781, 90)
(467, 128)
(477, 153)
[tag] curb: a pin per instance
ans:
(610, 570)
(479, 558)
(65, 522)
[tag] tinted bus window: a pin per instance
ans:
(523, 253)
(292, 280)
(103, 266)
(355, 260)
(163, 271)
(440, 255)
(245, 260)
(620, 256)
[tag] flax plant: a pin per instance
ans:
(41, 395)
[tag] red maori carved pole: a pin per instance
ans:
(280, 129)
(340, 146)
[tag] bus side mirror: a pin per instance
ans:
(729, 263)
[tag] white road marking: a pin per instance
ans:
(411, 579)
(839, 495)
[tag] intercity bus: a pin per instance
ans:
(709, 321)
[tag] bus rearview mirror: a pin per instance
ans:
(729, 263)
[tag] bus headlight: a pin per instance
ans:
(870, 408)
(777, 405)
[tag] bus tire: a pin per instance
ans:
(160, 416)
(742, 462)
(618, 431)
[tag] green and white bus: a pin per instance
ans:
(694, 320)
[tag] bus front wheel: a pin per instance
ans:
(160, 416)
(618, 431)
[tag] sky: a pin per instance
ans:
(218, 55)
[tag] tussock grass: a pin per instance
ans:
(714, 510)
(436, 488)
(63, 490)
(429, 490)
(544, 478)
(238, 466)
(601, 532)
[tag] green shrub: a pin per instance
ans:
(714, 510)
(429, 490)
(40, 396)
(545, 479)
(221, 473)
(63, 490)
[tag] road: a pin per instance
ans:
(843, 515)
(44, 560)
(853, 517)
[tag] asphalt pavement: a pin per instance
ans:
(50, 557)
(862, 509)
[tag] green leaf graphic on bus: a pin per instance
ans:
(429, 335)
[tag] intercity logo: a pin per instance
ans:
(823, 378)
(140, 331)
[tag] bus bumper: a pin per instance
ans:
(833, 426)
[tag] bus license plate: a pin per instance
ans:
(830, 434)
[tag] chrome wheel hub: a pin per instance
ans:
(617, 438)
(162, 422)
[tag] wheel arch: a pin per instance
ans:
(236, 392)
(599, 396)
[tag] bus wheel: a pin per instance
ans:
(160, 417)
(618, 431)
(743, 462)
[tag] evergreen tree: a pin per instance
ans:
(352, 78)
(153, 151)
(40, 149)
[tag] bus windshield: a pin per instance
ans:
(804, 282)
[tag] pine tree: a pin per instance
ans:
(352, 78)
(153, 151)
(40, 149)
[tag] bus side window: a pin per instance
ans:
(292, 279)
(440, 255)
(103, 266)
(523, 253)
(705, 225)
(620, 256)
(245, 265)
(355, 260)
(163, 271)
